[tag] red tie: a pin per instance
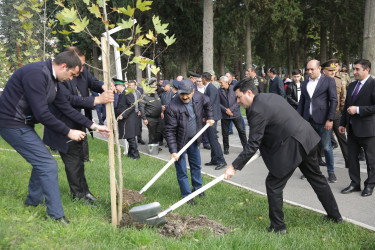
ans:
(356, 91)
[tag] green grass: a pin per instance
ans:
(245, 212)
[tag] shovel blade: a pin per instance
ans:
(147, 214)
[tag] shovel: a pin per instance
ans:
(171, 161)
(151, 213)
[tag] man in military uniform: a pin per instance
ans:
(329, 69)
(259, 81)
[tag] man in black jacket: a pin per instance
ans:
(72, 153)
(293, 90)
(286, 141)
(230, 112)
(23, 103)
(276, 85)
(183, 118)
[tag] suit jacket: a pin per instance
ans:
(292, 94)
(277, 86)
(213, 93)
(324, 100)
(279, 132)
(78, 100)
(127, 126)
(363, 124)
(228, 100)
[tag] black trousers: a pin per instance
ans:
(154, 130)
(133, 148)
(341, 138)
(86, 152)
(354, 146)
(225, 131)
(310, 169)
(216, 151)
(75, 169)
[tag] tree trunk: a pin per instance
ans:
(208, 35)
(248, 44)
(323, 44)
(137, 51)
(221, 63)
(183, 66)
(289, 58)
(95, 61)
(369, 33)
(296, 54)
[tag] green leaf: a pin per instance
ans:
(143, 6)
(79, 25)
(154, 69)
(128, 11)
(27, 26)
(100, 3)
(159, 27)
(67, 16)
(125, 49)
(126, 24)
(87, 2)
(141, 41)
(169, 40)
(94, 9)
(138, 29)
(65, 32)
(150, 36)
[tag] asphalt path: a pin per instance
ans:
(353, 207)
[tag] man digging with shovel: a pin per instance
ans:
(183, 118)
(286, 141)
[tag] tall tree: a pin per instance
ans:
(208, 35)
(369, 33)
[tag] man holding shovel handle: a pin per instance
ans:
(183, 118)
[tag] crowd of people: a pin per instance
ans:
(289, 120)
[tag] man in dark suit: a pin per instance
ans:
(217, 157)
(318, 106)
(276, 84)
(358, 117)
(139, 92)
(286, 141)
(76, 92)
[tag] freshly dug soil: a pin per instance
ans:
(131, 197)
(178, 226)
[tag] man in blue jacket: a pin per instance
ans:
(23, 103)
(183, 118)
(72, 153)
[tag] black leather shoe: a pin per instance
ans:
(203, 194)
(277, 230)
(207, 147)
(367, 191)
(322, 163)
(334, 146)
(89, 202)
(220, 165)
(226, 151)
(90, 196)
(350, 189)
(31, 205)
(211, 163)
(336, 220)
(141, 142)
(192, 202)
(63, 220)
(230, 132)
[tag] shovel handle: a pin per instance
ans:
(161, 171)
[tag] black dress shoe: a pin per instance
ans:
(220, 165)
(367, 191)
(89, 202)
(207, 147)
(230, 132)
(350, 189)
(192, 202)
(277, 230)
(226, 151)
(210, 163)
(90, 196)
(203, 194)
(322, 163)
(336, 220)
(63, 220)
(334, 146)
(141, 142)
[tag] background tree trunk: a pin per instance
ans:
(369, 33)
(137, 51)
(296, 54)
(208, 35)
(248, 44)
(289, 57)
(183, 66)
(323, 44)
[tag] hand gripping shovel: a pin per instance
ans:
(161, 171)
(151, 213)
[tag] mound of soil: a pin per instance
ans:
(178, 226)
(131, 197)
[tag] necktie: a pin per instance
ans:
(356, 91)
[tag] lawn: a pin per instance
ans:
(90, 228)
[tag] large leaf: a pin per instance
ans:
(94, 9)
(126, 24)
(79, 25)
(150, 36)
(138, 29)
(141, 41)
(159, 27)
(169, 40)
(67, 16)
(154, 69)
(143, 5)
(128, 11)
(87, 2)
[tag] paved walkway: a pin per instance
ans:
(353, 207)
